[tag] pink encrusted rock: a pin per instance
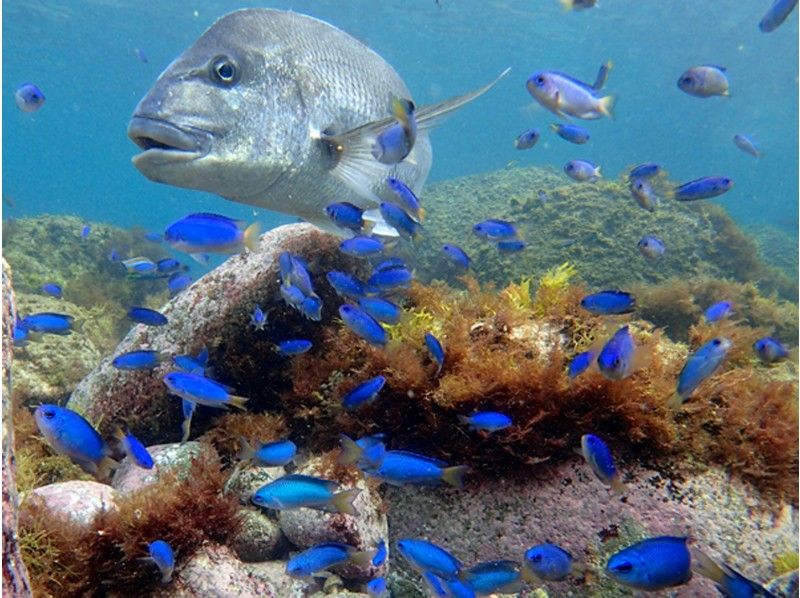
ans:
(129, 477)
(76, 501)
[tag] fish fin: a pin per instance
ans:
(202, 356)
(377, 225)
(600, 81)
(463, 419)
(343, 501)
(118, 434)
(351, 452)
(251, 236)
(641, 358)
(455, 475)
(362, 558)
(529, 576)
(200, 258)
(237, 401)
(105, 467)
(617, 486)
(597, 174)
(246, 452)
(704, 565)
(186, 427)
(675, 402)
(567, 4)
(607, 106)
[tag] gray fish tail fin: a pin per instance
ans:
(247, 451)
(351, 452)
(237, 401)
(704, 565)
(343, 501)
(362, 558)
(105, 467)
(455, 475)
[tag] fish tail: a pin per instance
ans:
(118, 434)
(567, 4)
(362, 558)
(343, 501)
(617, 486)
(464, 420)
(237, 401)
(675, 402)
(421, 214)
(105, 467)
(246, 452)
(607, 106)
(529, 576)
(455, 475)
(351, 452)
(704, 565)
(251, 240)
(554, 128)
(186, 426)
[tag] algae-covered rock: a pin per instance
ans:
(785, 586)
(247, 478)
(76, 501)
(259, 539)
(129, 477)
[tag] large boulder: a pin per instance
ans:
(78, 502)
(129, 477)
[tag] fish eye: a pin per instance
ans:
(224, 70)
(686, 80)
(615, 362)
(49, 413)
(539, 80)
(716, 342)
(536, 558)
(625, 567)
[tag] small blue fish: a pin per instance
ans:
(293, 347)
(605, 68)
(700, 366)
(436, 350)
(487, 421)
(294, 272)
(202, 390)
(202, 233)
(607, 303)
(747, 145)
(394, 143)
(401, 468)
(599, 458)
(718, 311)
(705, 81)
(435, 584)
(169, 265)
(647, 170)
(363, 394)
(397, 218)
(511, 245)
(146, 316)
(47, 323)
(85, 231)
(134, 449)
(20, 335)
(652, 564)
(346, 285)
(456, 256)
(114, 256)
(702, 188)
(427, 556)
(496, 230)
(572, 133)
(566, 96)
(580, 363)
(52, 289)
(271, 454)
(323, 556)
(376, 588)
(296, 491)
(258, 319)
(381, 554)
(493, 577)
(346, 215)
(363, 324)
(28, 97)
(381, 309)
(188, 409)
(389, 264)
(162, 555)
(390, 280)
(776, 15)
(367, 452)
(651, 246)
(770, 350)
(547, 562)
(361, 246)
(140, 266)
(154, 237)
(292, 296)
(144, 359)
(728, 581)
(582, 170)
(620, 356)
(68, 433)
(527, 139)
(189, 363)
(311, 308)
(140, 54)
(178, 282)
(405, 198)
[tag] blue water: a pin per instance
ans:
(73, 155)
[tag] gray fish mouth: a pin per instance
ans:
(165, 142)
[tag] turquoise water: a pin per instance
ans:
(73, 155)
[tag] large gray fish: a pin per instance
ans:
(280, 110)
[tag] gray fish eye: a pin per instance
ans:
(224, 70)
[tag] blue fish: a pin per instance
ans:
(580, 363)
(390, 280)
(651, 246)
(718, 311)
(607, 303)
(405, 198)
(271, 454)
(143, 359)
(134, 449)
(367, 452)
(646, 170)
(436, 587)
(188, 409)
(747, 144)
(258, 319)
(702, 188)
(401, 468)
(770, 350)
(599, 458)
(493, 577)
(52, 289)
(456, 256)
(397, 218)
(293, 347)
(566, 96)
(323, 556)
(154, 237)
(140, 54)
(455, 588)
(292, 296)
(395, 142)
(311, 308)
(436, 350)
(296, 491)
(547, 562)
(202, 233)
(189, 363)
(620, 356)
(381, 554)
(146, 316)
(728, 581)
(346, 285)
(294, 272)
(700, 366)
(652, 564)
(426, 556)
(202, 390)
(361, 246)
(495, 230)
(776, 15)
(114, 256)
(527, 139)
(389, 264)
(162, 555)
(572, 133)
(363, 394)
(346, 215)
(68, 433)
(20, 335)
(511, 245)
(381, 309)
(85, 231)
(140, 266)
(582, 170)
(487, 421)
(28, 97)
(704, 81)
(376, 588)
(47, 323)
(169, 265)
(363, 324)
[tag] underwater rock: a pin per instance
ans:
(77, 501)
(785, 586)
(259, 539)
(129, 477)
(566, 505)
(248, 478)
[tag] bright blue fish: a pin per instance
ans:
(28, 97)
(296, 491)
(295, 272)
(599, 458)
(406, 198)
(346, 285)
(390, 280)
(20, 335)
(85, 231)
(651, 246)
(68, 433)
(495, 230)
(770, 350)
(776, 15)
(511, 245)
(527, 139)
(582, 170)
(436, 350)
(381, 554)
(703, 188)
(346, 215)
(258, 319)
(487, 421)
(311, 308)
(363, 394)
(323, 556)
(363, 324)
(367, 452)
(427, 556)
(620, 356)
(389, 264)
(381, 309)
(646, 170)
(572, 133)
(143, 359)
(134, 449)
(580, 363)
(169, 265)
(376, 588)
(140, 266)
(146, 316)
(394, 143)
(607, 303)
(397, 218)
(292, 296)
(189, 364)
(401, 468)
(652, 564)
(271, 454)
(546, 562)
(729, 582)
(700, 366)
(456, 256)
(163, 557)
(52, 289)
(114, 256)
(47, 323)
(361, 246)
(211, 233)
(493, 577)
(202, 390)
(718, 311)
(293, 347)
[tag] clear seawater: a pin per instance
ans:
(73, 155)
